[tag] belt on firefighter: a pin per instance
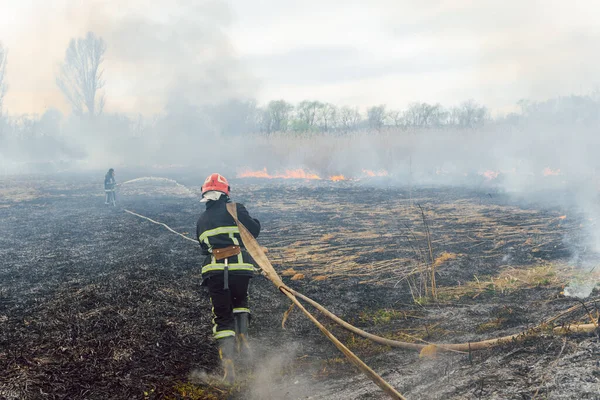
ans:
(223, 254)
(226, 252)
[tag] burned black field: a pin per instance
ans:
(96, 303)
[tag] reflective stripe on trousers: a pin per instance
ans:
(226, 303)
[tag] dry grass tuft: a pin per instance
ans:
(298, 277)
(327, 237)
(18, 194)
(289, 272)
(384, 316)
(189, 391)
(365, 347)
(286, 315)
(445, 256)
(509, 280)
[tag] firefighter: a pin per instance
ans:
(226, 270)
(109, 188)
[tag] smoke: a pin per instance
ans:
(175, 61)
(546, 153)
(276, 375)
(580, 290)
(183, 56)
(266, 374)
(158, 52)
(266, 382)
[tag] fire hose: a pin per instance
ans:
(261, 259)
(258, 254)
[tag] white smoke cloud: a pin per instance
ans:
(158, 51)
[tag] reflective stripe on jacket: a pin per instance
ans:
(216, 229)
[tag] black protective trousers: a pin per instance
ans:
(110, 197)
(227, 302)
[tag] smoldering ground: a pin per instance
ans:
(87, 314)
(267, 373)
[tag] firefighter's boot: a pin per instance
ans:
(226, 353)
(242, 320)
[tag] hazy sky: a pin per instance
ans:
(346, 52)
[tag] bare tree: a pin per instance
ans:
(469, 114)
(356, 118)
(3, 85)
(327, 116)
(80, 76)
(376, 116)
(346, 118)
(422, 115)
(396, 117)
(349, 118)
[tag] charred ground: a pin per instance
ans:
(98, 304)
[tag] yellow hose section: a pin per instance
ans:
(261, 259)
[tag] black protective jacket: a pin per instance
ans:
(109, 182)
(217, 229)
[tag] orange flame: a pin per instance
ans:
(550, 172)
(288, 174)
(372, 174)
(562, 217)
(302, 174)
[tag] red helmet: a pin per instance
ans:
(216, 182)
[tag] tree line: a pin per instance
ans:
(81, 80)
(308, 116)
